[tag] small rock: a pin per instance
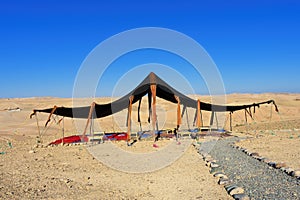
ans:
(254, 154)
(223, 181)
(215, 169)
(229, 187)
(282, 169)
(272, 164)
(237, 190)
(31, 151)
(296, 173)
(280, 165)
(240, 197)
(261, 158)
(213, 165)
(208, 164)
(289, 170)
(219, 174)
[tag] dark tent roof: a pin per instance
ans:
(163, 90)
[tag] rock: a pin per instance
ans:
(219, 174)
(272, 164)
(282, 169)
(237, 190)
(295, 173)
(204, 154)
(229, 187)
(31, 151)
(254, 154)
(223, 181)
(67, 180)
(280, 165)
(261, 158)
(208, 164)
(240, 197)
(214, 165)
(210, 160)
(215, 169)
(289, 170)
(207, 158)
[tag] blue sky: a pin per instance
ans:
(255, 44)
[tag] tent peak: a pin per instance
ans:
(152, 78)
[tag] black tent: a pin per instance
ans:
(153, 86)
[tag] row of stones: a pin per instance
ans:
(277, 165)
(216, 170)
(65, 144)
(56, 145)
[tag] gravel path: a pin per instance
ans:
(259, 180)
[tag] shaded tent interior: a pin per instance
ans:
(153, 86)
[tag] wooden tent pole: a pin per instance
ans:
(63, 131)
(52, 111)
(178, 111)
(201, 117)
(212, 118)
(246, 116)
(216, 116)
(153, 91)
(38, 126)
(129, 118)
(139, 117)
(198, 122)
(187, 118)
(89, 118)
(230, 114)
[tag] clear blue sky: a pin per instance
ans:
(255, 44)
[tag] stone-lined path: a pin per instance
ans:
(259, 180)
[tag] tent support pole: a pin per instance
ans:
(201, 117)
(187, 118)
(178, 111)
(198, 122)
(89, 118)
(246, 116)
(129, 118)
(139, 117)
(217, 120)
(63, 131)
(38, 126)
(51, 113)
(212, 118)
(230, 115)
(153, 91)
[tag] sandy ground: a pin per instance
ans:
(72, 173)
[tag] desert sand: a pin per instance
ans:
(71, 172)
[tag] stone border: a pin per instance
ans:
(42, 146)
(279, 165)
(216, 170)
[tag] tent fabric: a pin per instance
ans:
(163, 90)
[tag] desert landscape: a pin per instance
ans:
(29, 171)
